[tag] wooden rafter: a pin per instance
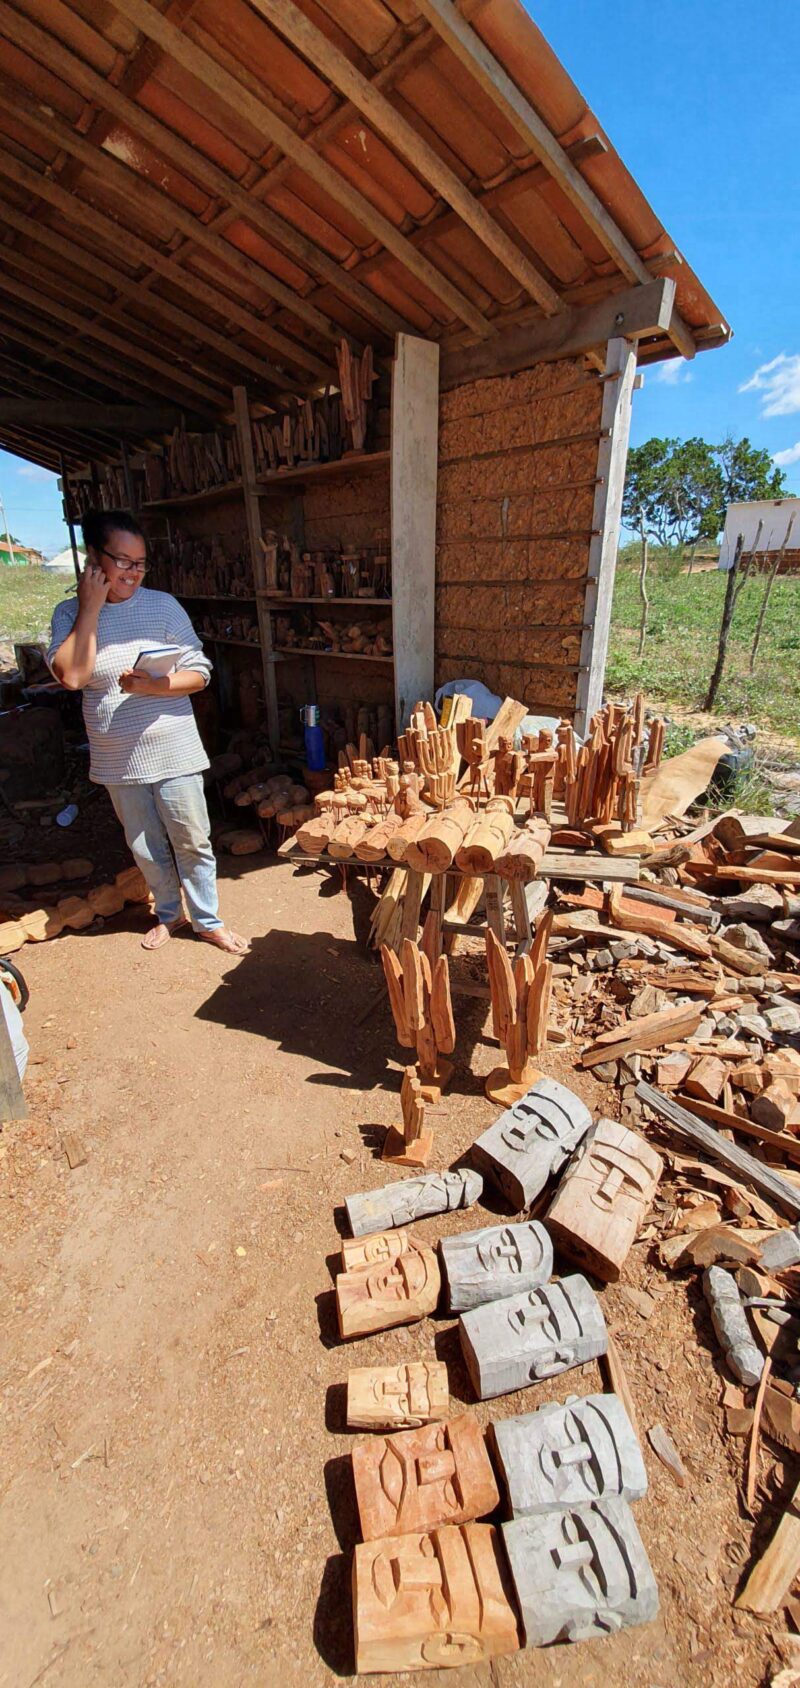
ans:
(241, 202)
(631, 314)
(211, 75)
(117, 377)
(407, 140)
(490, 76)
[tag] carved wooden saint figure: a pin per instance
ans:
(520, 1007)
(419, 995)
(420, 1479)
(530, 1142)
(412, 1198)
(501, 1260)
(397, 1397)
(568, 1455)
(603, 1198)
(425, 1601)
(580, 1573)
(524, 1338)
(396, 1292)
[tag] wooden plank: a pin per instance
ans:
(630, 315)
(266, 122)
(615, 1378)
(12, 1101)
(772, 1575)
(648, 1031)
(389, 121)
(476, 58)
(612, 456)
(54, 55)
(757, 1173)
(788, 1146)
(252, 511)
(414, 473)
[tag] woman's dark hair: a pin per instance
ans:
(98, 525)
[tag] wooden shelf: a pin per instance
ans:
(336, 656)
(286, 603)
(244, 644)
(342, 468)
(206, 496)
(214, 598)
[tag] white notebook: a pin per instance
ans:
(158, 661)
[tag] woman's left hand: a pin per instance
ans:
(143, 685)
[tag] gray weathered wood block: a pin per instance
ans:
(580, 1572)
(568, 1455)
(781, 1250)
(509, 1344)
(729, 1318)
(487, 1265)
(532, 1140)
(412, 1198)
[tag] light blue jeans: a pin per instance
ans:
(166, 827)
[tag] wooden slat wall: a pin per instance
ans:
(517, 472)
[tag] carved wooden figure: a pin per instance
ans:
(488, 837)
(580, 1573)
(380, 1296)
(603, 1198)
(520, 1006)
(421, 1602)
(412, 1198)
(410, 1144)
(419, 995)
(397, 1397)
(500, 1260)
(568, 1455)
(538, 779)
(509, 765)
(511, 1343)
(475, 751)
(421, 1479)
(530, 1142)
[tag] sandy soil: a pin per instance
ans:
(176, 1500)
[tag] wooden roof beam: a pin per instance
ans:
(490, 76)
(118, 378)
(75, 210)
(211, 75)
(631, 314)
(92, 417)
(55, 57)
(310, 41)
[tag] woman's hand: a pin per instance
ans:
(92, 589)
(138, 684)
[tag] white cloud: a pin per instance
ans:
(779, 381)
(34, 472)
(782, 459)
(673, 373)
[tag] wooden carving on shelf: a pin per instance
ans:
(419, 995)
(538, 778)
(522, 856)
(508, 767)
(603, 1198)
(424, 1601)
(520, 1006)
(475, 751)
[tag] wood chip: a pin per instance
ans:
(773, 1574)
(664, 1448)
(74, 1150)
(643, 1304)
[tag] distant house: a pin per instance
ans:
(17, 554)
(774, 514)
(63, 560)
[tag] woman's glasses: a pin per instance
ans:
(124, 564)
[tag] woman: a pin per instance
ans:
(143, 740)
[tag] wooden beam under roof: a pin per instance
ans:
(630, 315)
(303, 34)
(85, 415)
(211, 75)
(490, 76)
(119, 378)
(139, 193)
(75, 210)
(55, 57)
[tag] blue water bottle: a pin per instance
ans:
(314, 737)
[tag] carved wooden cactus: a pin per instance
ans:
(419, 994)
(520, 1004)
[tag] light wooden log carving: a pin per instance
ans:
(315, 835)
(410, 1144)
(397, 1397)
(421, 1601)
(523, 854)
(488, 837)
(603, 1198)
(404, 834)
(421, 1479)
(434, 850)
(348, 834)
(383, 1294)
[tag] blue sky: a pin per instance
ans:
(700, 100)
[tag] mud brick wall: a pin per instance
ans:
(517, 472)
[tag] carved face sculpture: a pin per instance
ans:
(510, 1251)
(419, 1484)
(423, 1479)
(404, 1390)
(544, 1338)
(381, 1247)
(617, 1173)
(580, 1573)
(392, 1292)
(569, 1455)
(402, 1279)
(603, 1199)
(539, 1119)
(430, 1600)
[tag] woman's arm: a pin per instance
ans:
(181, 683)
(74, 661)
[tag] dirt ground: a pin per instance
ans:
(176, 1501)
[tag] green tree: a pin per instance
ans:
(748, 472)
(673, 490)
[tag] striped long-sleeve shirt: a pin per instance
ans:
(137, 740)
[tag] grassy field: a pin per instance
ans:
(680, 651)
(28, 596)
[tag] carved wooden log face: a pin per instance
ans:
(530, 1142)
(580, 1573)
(420, 1479)
(412, 1198)
(568, 1455)
(498, 1261)
(425, 1601)
(397, 1397)
(377, 1297)
(511, 1343)
(381, 1248)
(603, 1198)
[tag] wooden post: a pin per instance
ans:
(725, 625)
(67, 504)
(414, 462)
(12, 1101)
(252, 513)
(612, 457)
(643, 584)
